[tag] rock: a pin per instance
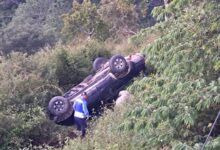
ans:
(124, 96)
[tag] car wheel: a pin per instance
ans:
(128, 70)
(118, 64)
(97, 64)
(58, 105)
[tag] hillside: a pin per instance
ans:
(42, 56)
(175, 107)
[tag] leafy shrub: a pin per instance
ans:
(29, 82)
(84, 19)
(173, 108)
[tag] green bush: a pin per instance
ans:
(172, 109)
(27, 83)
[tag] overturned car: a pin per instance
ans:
(110, 78)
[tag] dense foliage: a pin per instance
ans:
(27, 83)
(34, 24)
(175, 107)
(29, 25)
(84, 19)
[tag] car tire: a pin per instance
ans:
(118, 64)
(97, 64)
(58, 105)
(128, 71)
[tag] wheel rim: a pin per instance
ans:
(119, 64)
(58, 105)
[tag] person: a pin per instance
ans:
(81, 113)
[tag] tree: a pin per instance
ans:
(26, 31)
(7, 9)
(84, 20)
(35, 24)
(121, 17)
(55, 12)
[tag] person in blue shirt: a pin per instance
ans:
(81, 113)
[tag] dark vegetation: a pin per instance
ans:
(47, 46)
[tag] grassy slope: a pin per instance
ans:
(173, 108)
